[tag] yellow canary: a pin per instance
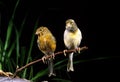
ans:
(47, 45)
(72, 40)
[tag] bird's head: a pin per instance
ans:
(41, 31)
(71, 25)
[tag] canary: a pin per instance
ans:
(47, 45)
(72, 39)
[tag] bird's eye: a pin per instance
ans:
(71, 22)
(40, 29)
(38, 34)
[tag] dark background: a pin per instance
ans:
(100, 36)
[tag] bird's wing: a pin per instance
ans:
(51, 42)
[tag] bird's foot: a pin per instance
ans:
(78, 49)
(64, 51)
(53, 56)
(44, 59)
(51, 74)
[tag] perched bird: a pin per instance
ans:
(72, 40)
(47, 45)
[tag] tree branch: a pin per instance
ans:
(38, 60)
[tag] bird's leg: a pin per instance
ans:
(64, 51)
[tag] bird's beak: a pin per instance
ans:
(68, 25)
(36, 33)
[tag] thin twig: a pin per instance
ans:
(38, 60)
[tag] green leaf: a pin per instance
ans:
(40, 74)
(30, 48)
(31, 72)
(22, 56)
(17, 46)
(8, 35)
(60, 62)
(10, 50)
(9, 65)
(9, 31)
(1, 49)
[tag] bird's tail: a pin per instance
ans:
(51, 68)
(70, 62)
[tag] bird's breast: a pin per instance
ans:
(72, 40)
(47, 44)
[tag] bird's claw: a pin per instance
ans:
(64, 51)
(44, 58)
(78, 49)
(53, 56)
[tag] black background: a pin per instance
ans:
(101, 36)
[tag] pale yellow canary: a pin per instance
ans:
(72, 39)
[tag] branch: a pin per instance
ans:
(57, 53)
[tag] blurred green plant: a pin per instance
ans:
(11, 53)
(6, 47)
